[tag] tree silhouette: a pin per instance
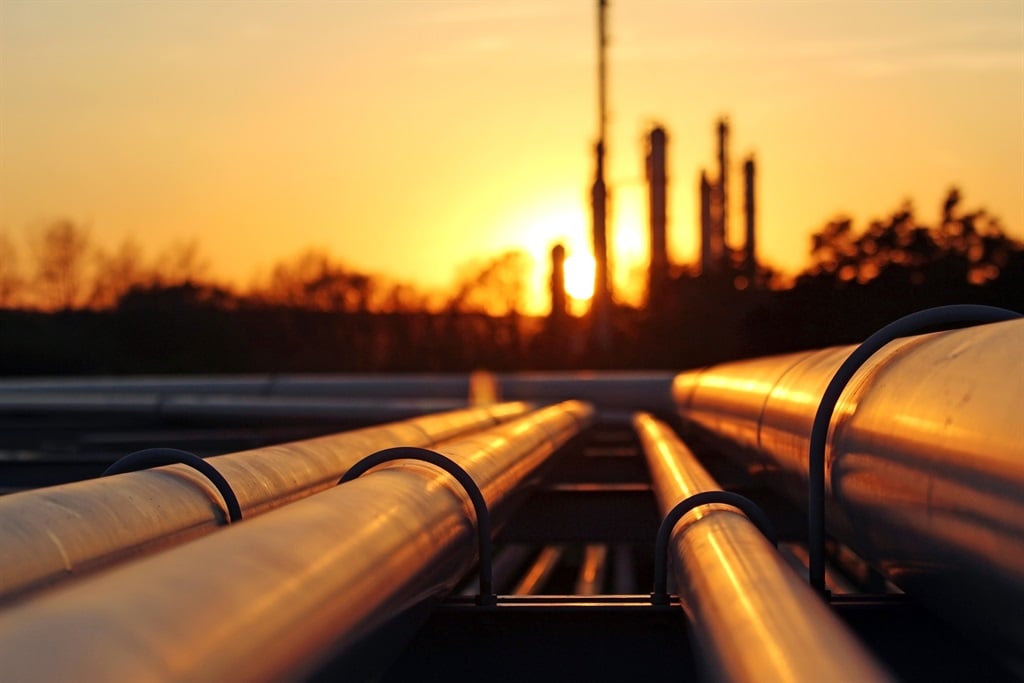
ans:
(181, 263)
(117, 273)
(61, 265)
(860, 281)
(495, 287)
(10, 276)
(968, 248)
(314, 281)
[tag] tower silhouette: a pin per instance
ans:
(600, 303)
(750, 244)
(657, 182)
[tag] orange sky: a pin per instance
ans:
(411, 137)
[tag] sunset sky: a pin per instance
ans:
(409, 138)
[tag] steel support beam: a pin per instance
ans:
(753, 618)
(50, 534)
(271, 598)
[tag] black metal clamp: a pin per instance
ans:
(747, 506)
(941, 317)
(156, 457)
(486, 595)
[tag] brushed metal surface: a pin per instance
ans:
(753, 618)
(269, 598)
(54, 533)
(924, 460)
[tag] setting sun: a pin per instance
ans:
(579, 276)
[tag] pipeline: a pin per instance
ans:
(272, 598)
(50, 534)
(753, 618)
(626, 391)
(220, 406)
(924, 460)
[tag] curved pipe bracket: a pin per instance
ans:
(483, 517)
(156, 457)
(747, 506)
(941, 317)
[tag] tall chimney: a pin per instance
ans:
(707, 255)
(657, 183)
(600, 303)
(559, 309)
(723, 181)
(750, 245)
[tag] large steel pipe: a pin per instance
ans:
(270, 598)
(53, 533)
(924, 460)
(753, 618)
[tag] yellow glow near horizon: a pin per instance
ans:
(410, 138)
(579, 276)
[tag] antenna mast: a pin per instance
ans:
(600, 304)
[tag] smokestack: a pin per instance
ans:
(707, 256)
(599, 212)
(559, 309)
(657, 182)
(750, 245)
(601, 301)
(723, 180)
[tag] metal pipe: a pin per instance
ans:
(924, 460)
(543, 566)
(621, 390)
(590, 580)
(272, 598)
(336, 385)
(219, 406)
(753, 618)
(54, 533)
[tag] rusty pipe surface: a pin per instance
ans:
(271, 598)
(50, 534)
(924, 460)
(753, 618)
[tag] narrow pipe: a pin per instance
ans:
(50, 534)
(753, 618)
(625, 390)
(924, 460)
(222, 406)
(536, 577)
(590, 580)
(272, 598)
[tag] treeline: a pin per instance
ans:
(60, 269)
(70, 308)
(859, 279)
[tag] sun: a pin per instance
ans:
(579, 276)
